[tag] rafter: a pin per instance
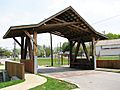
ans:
(48, 26)
(62, 21)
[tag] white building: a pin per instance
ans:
(108, 47)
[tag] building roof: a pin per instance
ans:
(66, 23)
(108, 42)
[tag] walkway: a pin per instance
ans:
(31, 80)
(86, 79)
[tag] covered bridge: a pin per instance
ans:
(66, 23)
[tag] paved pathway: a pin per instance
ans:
(86, 79)
(31, 81)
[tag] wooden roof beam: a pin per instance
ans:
(27, 33)
(47, 26)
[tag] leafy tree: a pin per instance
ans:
(43, 51)
(47, 50)
(65, 46)
(113, 36)
(56, 49)
(5, 52)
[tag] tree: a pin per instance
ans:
(47, 50)
(41, 51)
(113, 36)
(65, 46)
(5, 52)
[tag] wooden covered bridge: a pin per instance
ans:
(66, 23)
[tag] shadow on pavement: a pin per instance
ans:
(55, 69)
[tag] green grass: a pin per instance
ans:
(47, 62)
(109, 58)
(55, 84)
(1, 64)
(9, 83)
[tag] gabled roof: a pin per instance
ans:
(66, 23)
(108, 42)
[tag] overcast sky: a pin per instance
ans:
(102, 15)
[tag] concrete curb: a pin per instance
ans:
(63, 80)
(31, 81)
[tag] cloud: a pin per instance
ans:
(91, 10)
(55, 4)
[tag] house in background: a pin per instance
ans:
(108, 47)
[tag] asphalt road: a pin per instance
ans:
(87, 79)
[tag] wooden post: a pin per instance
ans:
(93, 52)
(22, 47)
(85, 50)
(51, 49)
(70, 52)
(35, 51)
(26, 43)
(76, 51)
(30, 49)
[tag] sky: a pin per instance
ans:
(102, 15)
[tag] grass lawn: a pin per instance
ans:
(47, 62)
(9, 83)
(109, 58)
(55, 84)
(1, 64)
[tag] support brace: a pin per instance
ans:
(17, 41)
(85, 50)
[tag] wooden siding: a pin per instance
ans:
(15, 69)
(114, 64)
(29, 65)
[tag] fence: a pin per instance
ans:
(114, 64)
(29, 65)
(15, 69)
